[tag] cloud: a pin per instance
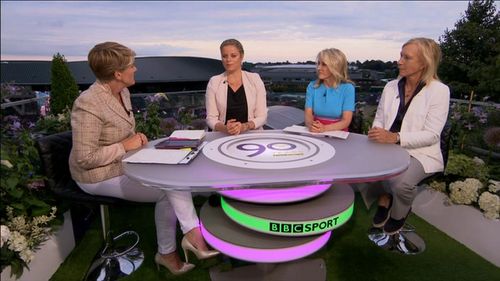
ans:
(274, 30)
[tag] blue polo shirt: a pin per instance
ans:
(330, 102)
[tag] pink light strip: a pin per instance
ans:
(265, 255)
(276, 195)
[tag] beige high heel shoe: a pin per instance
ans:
(201, 255)
(184, 268)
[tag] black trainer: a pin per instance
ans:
(393, 226)
(382, 215)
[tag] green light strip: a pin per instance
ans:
(287, 228)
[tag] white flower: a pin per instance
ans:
(27, 255)
(494, 186)
(490, 204)
(5, 233)
(6, 163)
(17, 242)
(478, 160)
(465, 192)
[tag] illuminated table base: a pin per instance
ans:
(274, 195)
(316, 216)
(247, 245)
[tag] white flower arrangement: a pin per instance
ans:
(465, 192)
(490, 204)
(494, 186)
(23, 235)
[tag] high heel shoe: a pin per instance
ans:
(201, 255)
(184, 268)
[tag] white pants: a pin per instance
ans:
(170, 206)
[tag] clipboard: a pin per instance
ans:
(164, 156)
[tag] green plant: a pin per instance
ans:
(460, 165)
(149, 121)
(51, 124)
(28, 209)
(64, 89)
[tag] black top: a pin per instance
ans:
(237, 105)
(396, 126)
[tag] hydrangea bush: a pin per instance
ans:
(468, 181)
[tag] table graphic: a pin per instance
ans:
(269, 151)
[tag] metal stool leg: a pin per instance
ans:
(114, 262)
(406, 241)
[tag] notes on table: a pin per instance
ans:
(151, 155)
(305, 131)
(188, 134)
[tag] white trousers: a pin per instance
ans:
(170, 206)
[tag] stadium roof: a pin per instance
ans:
(149, 70)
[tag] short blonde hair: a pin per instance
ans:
(430, 53)
(336, 62)
(106, 58)
(233, 42)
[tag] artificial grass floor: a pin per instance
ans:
(348, 255)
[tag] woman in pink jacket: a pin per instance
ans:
(235, 99)
(411, 113)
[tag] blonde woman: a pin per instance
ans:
(236, 99)
(103, 128)
(412, 113)
(330, 98)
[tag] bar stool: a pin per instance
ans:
(114, 261)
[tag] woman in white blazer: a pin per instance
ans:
(236, 99)
(412, 113)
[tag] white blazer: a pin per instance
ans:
(216, 99)
(422, 125)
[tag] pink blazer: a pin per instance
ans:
(216, 99)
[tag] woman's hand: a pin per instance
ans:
(134, 142)
(380, 135)
(234, 127)
(317, 127)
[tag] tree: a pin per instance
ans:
(64, 89)
(471, 52)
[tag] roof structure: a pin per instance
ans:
(149, 70)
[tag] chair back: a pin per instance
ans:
(356, 125)
(54, 153)
(445, 141)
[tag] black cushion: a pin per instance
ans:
(54, 153)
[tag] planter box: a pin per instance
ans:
(463, 223)
(50, 255)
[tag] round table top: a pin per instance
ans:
(356, 159)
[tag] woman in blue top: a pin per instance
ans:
(330, 98)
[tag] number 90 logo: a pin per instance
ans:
(259, 148)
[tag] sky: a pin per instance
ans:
(270, 31)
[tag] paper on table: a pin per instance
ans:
(158, 156)
(305, 131)
(188, 134)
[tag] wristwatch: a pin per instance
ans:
(397, 138)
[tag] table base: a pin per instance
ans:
(299, 270)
